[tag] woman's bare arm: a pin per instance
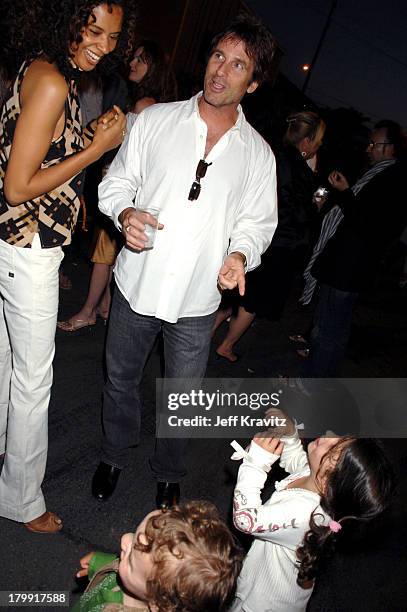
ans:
(43, 96)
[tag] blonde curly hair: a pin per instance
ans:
(197, 560)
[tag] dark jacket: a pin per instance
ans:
(373, 220)
(296, 184)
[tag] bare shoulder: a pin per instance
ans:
(142, 104)
(44, 79)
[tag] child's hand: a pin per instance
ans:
(272, 445)
(288, 429)
(84, 565)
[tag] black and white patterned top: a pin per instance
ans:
(52, 215)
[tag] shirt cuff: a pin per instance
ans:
(242, 252)
(291, 439)
(116, 211)
(261, 456)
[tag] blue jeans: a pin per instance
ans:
(330, 332)
(130, 340)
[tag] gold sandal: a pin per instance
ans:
(73, 325)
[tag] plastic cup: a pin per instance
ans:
(151, 230)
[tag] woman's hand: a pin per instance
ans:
(84, 562)
(110, 131)
(109, 117)
(338, 181)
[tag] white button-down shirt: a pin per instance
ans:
(236, 209)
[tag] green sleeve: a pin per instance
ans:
(99, 560)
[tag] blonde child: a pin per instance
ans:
(183, 559)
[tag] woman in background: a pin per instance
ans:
(268, 287)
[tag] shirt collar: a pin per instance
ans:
(191, 109)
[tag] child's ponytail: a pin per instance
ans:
(358, 489)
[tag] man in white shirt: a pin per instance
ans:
(213, 179)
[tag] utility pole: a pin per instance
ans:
(319, 45)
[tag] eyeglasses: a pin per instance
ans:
(196, 185)
(375, 144)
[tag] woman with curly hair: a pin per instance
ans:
(151, 80)
(332, 490)
(43, 153)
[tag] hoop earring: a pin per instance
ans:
(303, 153)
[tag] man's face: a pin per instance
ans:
(228, 74)
(379, 148)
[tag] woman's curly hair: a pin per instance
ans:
(196, 559)
(357, 490)
(49, 27)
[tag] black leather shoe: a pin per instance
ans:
(168, 494)
(104, 481)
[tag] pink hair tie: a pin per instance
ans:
(334, 526)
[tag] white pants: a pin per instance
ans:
(28, 314)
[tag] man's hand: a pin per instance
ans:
(232, 273)
(84, 562)
(133, 224)
(338, 181)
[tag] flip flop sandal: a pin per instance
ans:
(74, 325)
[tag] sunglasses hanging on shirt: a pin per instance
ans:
(196, 185)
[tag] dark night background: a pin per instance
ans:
(363, 61)
(363, 64)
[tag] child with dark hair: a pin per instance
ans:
(179, 560)
(336, 484)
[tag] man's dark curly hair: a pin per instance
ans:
(32, 27)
